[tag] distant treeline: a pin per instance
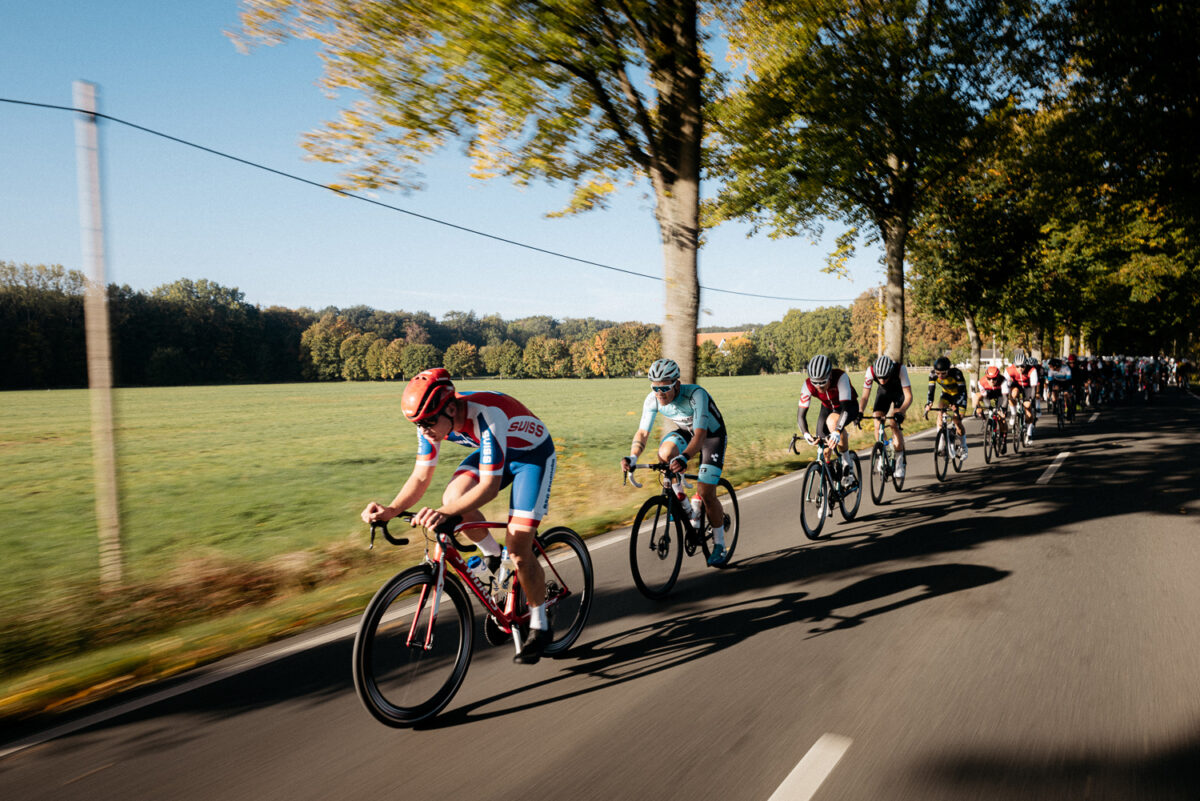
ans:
(199, 332)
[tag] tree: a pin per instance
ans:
(416, 358)
(503, 360)
(391, 362)
(622, 348)
(852, 111)
(323, 342)
(353, 351)
(462, 359)
(591, 93)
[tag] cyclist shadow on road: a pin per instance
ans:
(664, 644)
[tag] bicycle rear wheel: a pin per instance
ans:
(407, 668)
(733, 524)
(569, 583)
(655, 548)
(814, 501)
(959, 442)
(878, 472)
(941, 454)
(851, 498)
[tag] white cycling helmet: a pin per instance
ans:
(819, 368)
(884, 366)
(664, 370)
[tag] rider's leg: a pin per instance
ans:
(462, 483)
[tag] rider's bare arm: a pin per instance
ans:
(412, 491)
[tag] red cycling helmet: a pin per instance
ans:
(427, 394)
(993, 372)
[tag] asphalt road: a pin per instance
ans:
(987, 637)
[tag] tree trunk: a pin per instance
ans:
(976, 343)
(679, 226)
(895, 234)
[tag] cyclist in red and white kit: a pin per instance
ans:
(511, 447)
(894, 391)
(839, 408)
(1023, 383)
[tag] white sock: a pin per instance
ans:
(489, 546)
(537, 617)
(719, 535)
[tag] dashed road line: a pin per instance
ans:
(811, 771)
(1053, 468)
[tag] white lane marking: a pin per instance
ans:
(1092, 419)
(1053, 468)
(804, 780)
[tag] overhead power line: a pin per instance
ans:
(391, 207)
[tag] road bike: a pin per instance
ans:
(995, 440)
(1016, 423)
(824, 485)
(411, 652)
(946, 449)
(883, 461)
(664, 531)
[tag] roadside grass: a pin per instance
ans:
(240, 512)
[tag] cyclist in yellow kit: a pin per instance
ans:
(954, 396)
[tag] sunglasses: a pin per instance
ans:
(663, 390)
(819, 383)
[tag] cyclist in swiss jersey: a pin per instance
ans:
(510, 447)
(839, 408)
(893, 391)
(953, 384)
(700, 429)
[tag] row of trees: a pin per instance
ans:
(1077, 225)
(190, 332)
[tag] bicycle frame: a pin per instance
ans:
(692, 537)
(447, 551)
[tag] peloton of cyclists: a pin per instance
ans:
(835, 393)
(953, 398)
(510, 446)
(893, 391)
(700, 429)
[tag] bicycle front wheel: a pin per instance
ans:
(411, 652)
(569, 583)
(655, 548)
(989, 440)
(852, 497)
(814, 501)
(878, 470)
(733, 523)
(941, 454)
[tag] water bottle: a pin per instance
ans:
(479, 571)
(506, 568)
(697, 510)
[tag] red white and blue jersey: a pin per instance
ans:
(500, 426)
(832, 395)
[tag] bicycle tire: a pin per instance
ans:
(569, 585)
(898, 480)
(878, 472)
(402, 684)
(849, 513)
(1017, 432)
(1060, 417)
(941, 454)
(814, 501)
(733, 524)
(957, 460)
(989, 433)
(655, 548)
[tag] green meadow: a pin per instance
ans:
(240, 504)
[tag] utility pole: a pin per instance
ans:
(99, 349)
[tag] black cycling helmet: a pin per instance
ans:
(884, 366)
(819, 368)
(941, 365)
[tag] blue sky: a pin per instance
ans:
(173, 211)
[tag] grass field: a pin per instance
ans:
(244, 501)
